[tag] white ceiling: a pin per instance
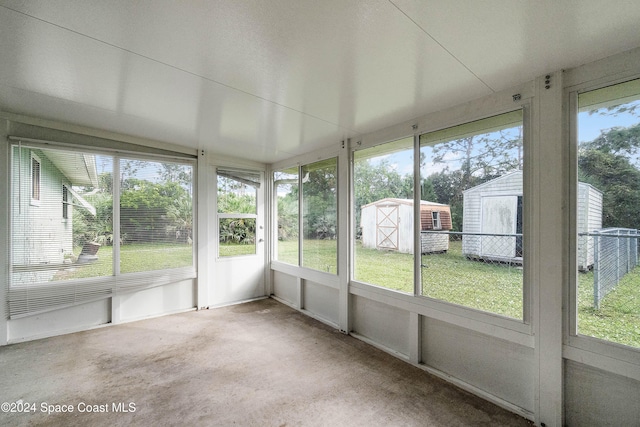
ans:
(267, 80)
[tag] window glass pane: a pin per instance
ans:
(474, 256)
(383, 209)
(320, 220)
(156, 215)
(608, 213)
(287, 193)
(50, 244)
(237, 212)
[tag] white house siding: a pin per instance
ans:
(40, 236)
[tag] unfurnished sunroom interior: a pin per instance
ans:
(453, 183)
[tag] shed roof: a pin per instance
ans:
(395, 201)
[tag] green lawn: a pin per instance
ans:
(618, 318)
(494, 288)
(236, 249)
(133, 258)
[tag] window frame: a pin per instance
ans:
(306, 273)
(65, 203)
(101, 286)
(516, 330)
(236, 215)
(527, 194)
(597, 351)
(275, 214)
(435, 220)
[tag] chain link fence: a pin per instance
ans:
(477, 270)
(615, 253)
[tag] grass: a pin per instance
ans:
(236, 249)
(446, 276)
(494, 288)
(618, 318)
(317, 254)
(133, 258)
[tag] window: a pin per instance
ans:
(65, 202)
(156, 215)
(287, 214)
(607, 219)
(35, 178)
(237, 212)
(383, 211)
(473, 174)
(435, 220)
(319, 216)
(73, 250)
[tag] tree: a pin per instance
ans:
(483, 156)
(375, 180)
(607, 164)
(319, 198)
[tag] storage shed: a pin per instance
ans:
(387, 224)
(495, 208)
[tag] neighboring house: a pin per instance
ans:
(42, 201)
(387, 224)
(495, 208)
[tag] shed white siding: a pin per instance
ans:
(491, 208)
(589, 219)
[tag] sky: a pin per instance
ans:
(589, 127)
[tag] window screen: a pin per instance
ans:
(608, 214)
(65, 256)
(473, 175)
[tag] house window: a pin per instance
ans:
(474, 172)
(35, 179)
(607, 219)
(435, 219)
(383, 210)
(65, 202)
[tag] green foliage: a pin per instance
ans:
(144, 208)
(238, 230)
(89, 228)
(373, 181)
(618, 318)
(288, 217)
(483, 157)
(149, 212)
(319, 198)
(606, 164)
(230, 202)
(235, 197)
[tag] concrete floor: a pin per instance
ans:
(260, 363)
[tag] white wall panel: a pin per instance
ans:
(285, 287)
(381, 323)
(156, 301)
(321, 300)
(58, 322)
(498, 367)
(598, 398)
